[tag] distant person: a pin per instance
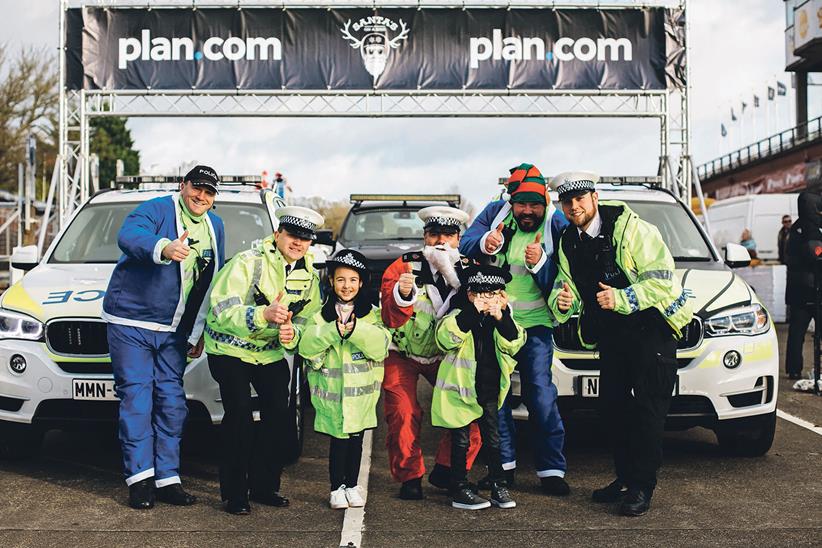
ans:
(747, 241)
(800, 254)
(782, 239)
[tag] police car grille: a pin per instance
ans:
(565, 335)
(77, 337)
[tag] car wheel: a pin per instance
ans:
(748, 436)
(19, 441)
(296, 417)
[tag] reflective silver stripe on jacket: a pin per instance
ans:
(518, 270)
(325, 394)
(464, 392)
(465, 363)
(528, 305)
(656, 274)
(226, 303)
(358, 367)
(255, 279)
(354, 391)
(331, 373)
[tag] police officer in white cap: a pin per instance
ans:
(259, 302)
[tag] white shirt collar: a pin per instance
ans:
(595, 227)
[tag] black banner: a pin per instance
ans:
(362, 48)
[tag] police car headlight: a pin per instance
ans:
(748, 320)
(14, 325)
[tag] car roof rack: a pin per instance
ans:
(653, 181)
(164, 182)
(451, 199)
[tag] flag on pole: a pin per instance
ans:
(781, 89)
(723, 130)
(733, 115)
(771, 93)
(756, 101)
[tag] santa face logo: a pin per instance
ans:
(376, 41)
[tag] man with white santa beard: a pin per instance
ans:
(416, 291)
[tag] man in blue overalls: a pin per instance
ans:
(155, 307)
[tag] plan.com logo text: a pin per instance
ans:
(514, 48)
(215, 48)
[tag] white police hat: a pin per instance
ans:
(442, 218)
(574, 183)
(299, 221)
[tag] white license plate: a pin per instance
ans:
(91, 389)
(589, 386)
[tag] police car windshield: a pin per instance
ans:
(92, 235)
(383, 224)
(678, 229)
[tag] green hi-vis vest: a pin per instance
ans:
(235, 325)
(345, 375)
(454, 403)
(642, 255)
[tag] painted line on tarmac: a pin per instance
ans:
(799, 422)
(351, 536)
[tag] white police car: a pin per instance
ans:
(55, 371)
(728, 357)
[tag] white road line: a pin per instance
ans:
(799, 422)
(351, 536)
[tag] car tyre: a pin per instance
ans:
(748, 436)
(19, 441)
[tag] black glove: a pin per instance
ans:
(506, 326)
(468, 318)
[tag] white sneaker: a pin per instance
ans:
(354, 497)
(338, 500)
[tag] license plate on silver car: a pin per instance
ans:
(589, 386)
(93, 389)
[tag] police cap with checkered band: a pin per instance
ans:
(574, 183)
(349, 259)
(442, 219)
(299, 221)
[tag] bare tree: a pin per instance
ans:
(28, 105)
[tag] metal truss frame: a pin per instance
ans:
(77, 107)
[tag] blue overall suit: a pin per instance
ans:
(534, 359)
(150, 325)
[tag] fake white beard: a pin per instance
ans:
(442, 260)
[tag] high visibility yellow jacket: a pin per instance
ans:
(235, 325)
(345, 374)
(454, 403)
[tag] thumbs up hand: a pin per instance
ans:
(177, 250)
(533, 251)
(406, 282)
(287, 330)
(565, 299)
(606, 297)
(493, 240)
(276, 312)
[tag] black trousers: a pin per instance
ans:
(250, 460)
(801, 316)
(637, 375)
(344, 458)
(489, 430)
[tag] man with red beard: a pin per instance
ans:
(416, 291)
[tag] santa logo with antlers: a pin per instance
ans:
(375, 44)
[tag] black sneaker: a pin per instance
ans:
(465, 499)
(509, 476)
(500, 497)
(440, 476)
(610, 493)
(636, 503)
(174, 494)
(555, 485)
(141, 494)
(411, 489)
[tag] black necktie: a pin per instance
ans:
(584, 236)
(287, 270)
(442, 286)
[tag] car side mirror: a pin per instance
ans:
(736, 256)
(24, 258)
(325, 237)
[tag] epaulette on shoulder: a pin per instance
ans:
(412, 256)
(465, 262)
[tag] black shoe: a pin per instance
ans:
(637, 502)
(508, 475)
(238, 507)
(610, 493)
(141, 494)
(174, 494)
(440, 476)
(270, 499)
(500, 497)
(554, 485)
(465, 499)
(411, 489)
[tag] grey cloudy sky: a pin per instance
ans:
(737, 49)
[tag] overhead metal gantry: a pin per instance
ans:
(77, 107)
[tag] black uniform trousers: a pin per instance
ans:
(637, 376)
(250, 459)
(344, 458)
(801, 316)
(489, 431)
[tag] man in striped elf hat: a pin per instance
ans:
(520, 233)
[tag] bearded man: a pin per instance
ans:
(519, 233)
(416, 291)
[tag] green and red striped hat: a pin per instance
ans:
(526, 184)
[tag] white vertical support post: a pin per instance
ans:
(687, 169)
(664, 151)
(44, 225)
(21, 183)
(82, 196)
(61, 166)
